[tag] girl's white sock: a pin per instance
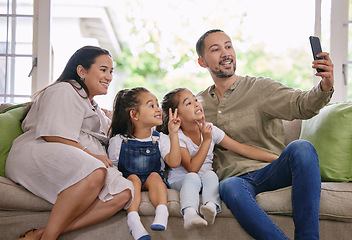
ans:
(192, 219)
(161, 218)
(136, 227)
(209, 212)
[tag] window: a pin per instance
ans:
(348, 67)
(22, 30)
(26, 24)
(339, 29)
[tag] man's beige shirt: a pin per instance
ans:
(250, 112)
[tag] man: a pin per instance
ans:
(249, 110)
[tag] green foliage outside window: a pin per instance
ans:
(145, 70)
(161, 57)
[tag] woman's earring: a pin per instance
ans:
(82, 79)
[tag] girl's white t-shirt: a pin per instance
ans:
(177, 174)
(115, 146)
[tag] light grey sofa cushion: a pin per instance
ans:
(335, 201)
(335, 204)
(14, 197)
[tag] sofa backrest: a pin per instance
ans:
(292, 130)
(3, 106)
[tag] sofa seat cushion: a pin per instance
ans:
(335, 201)
(146, 208)
(15, 197)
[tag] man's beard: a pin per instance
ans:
(223, 74)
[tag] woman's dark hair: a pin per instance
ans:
(84, 56)
(200, 42)
(170, 100)
(125, 101)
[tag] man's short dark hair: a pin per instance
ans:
(200, 42)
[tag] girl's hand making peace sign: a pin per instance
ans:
(174, 122)
(205, 129)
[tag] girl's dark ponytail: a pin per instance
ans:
(125, 101)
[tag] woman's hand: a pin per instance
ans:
(104, 159)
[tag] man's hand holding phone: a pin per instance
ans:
(323, 64)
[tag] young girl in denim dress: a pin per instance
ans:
(195, 173)
(139, 153)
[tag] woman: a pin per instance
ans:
(60, 156)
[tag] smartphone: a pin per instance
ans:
(316, 48)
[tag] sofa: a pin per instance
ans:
(20, 210)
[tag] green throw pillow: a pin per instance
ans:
(10, 128)
(330, 132)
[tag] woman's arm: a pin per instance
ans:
(66, 141)
(246, 150)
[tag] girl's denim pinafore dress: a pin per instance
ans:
(140, 158)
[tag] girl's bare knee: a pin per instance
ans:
(135, 180)
(154, 179)
(155, 176)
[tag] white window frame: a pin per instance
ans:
(42, 73)
(339, 47)
(338, 44)
(41, 56)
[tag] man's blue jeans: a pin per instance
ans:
(298, 165)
